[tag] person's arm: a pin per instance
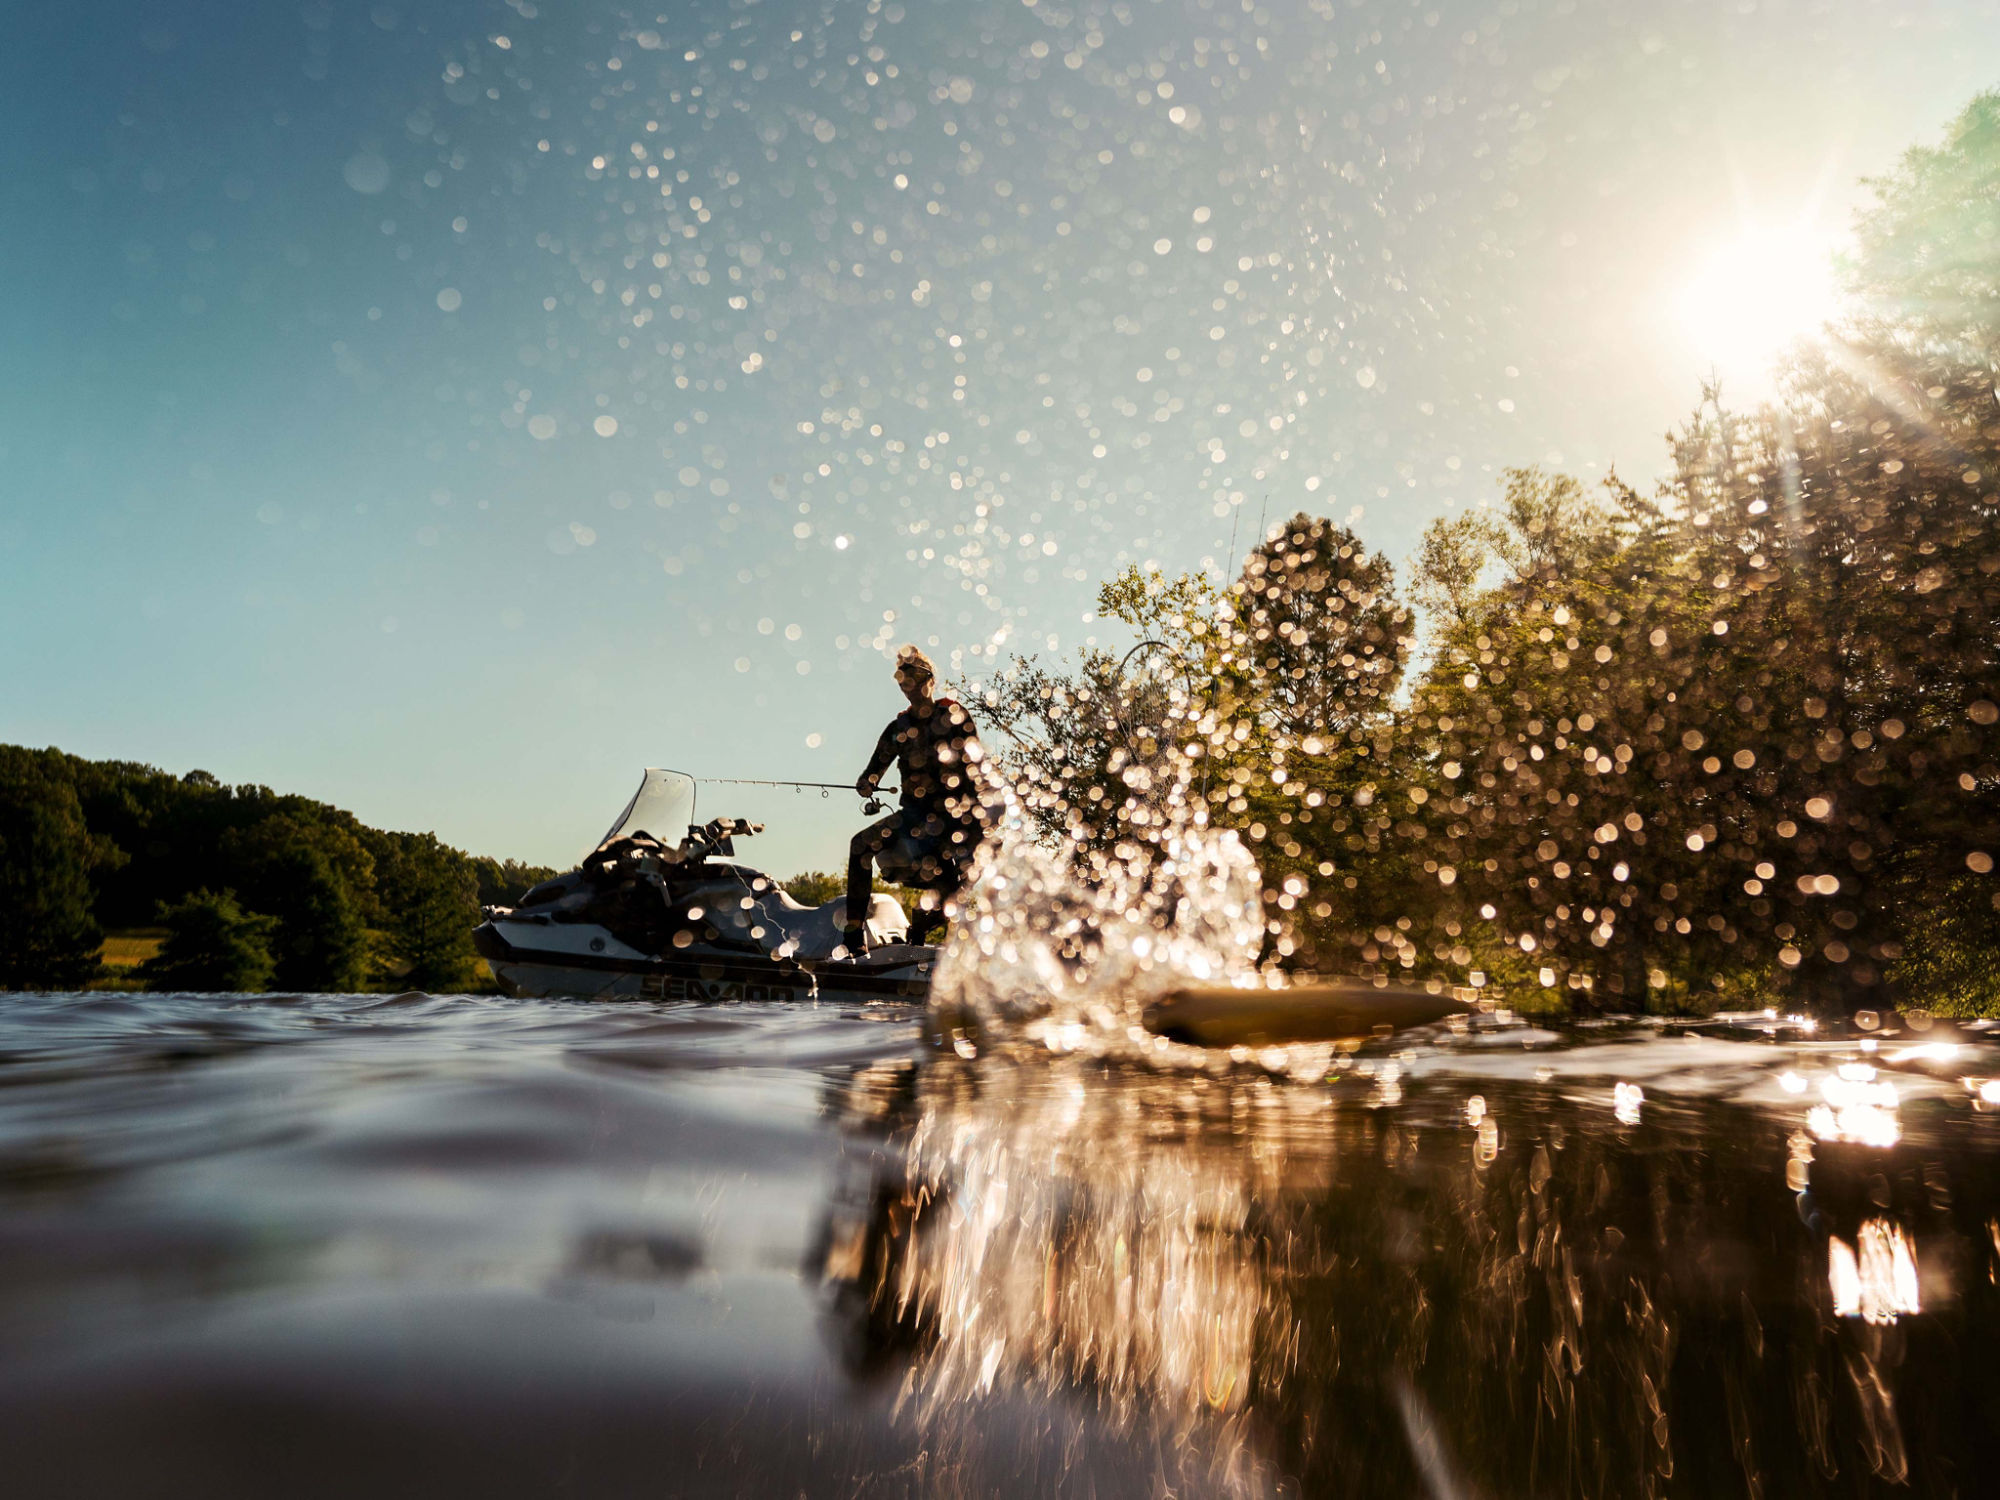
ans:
(885, 752)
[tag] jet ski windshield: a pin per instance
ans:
(662, 809)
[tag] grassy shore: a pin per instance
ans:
(125, 949)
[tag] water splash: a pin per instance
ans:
(1063, 946)
(1876, 1278)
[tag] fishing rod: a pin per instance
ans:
(837, 786)
(871, 804)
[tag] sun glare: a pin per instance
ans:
(1753, 297)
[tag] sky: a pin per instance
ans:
(447, 410)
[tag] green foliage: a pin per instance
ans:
(502, 882)
(146, 839)
(1453, 562)
(1948, 964)
(817, 887)
(1304, 647)
(1925, 251)
(1317, 635)
(1733, 743)
(212, 945)
(1725, 746)
(48, 935)
(430, 901)
(312, 876)
(185, 833)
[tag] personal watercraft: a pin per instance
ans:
(663, 909)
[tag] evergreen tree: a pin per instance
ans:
(430, 904)
(309, 876)
(322, 942)
(48, 936)
(212, 946)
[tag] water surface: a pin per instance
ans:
(424, 1245)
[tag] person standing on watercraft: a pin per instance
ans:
(928, 841)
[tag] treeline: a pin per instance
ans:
(817, 887)
(256, 890)
(1730, 741)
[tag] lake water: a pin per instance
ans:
(433, 1246)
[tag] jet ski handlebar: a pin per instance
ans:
(703, 839)
(713, 837)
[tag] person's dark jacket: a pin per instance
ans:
(933, 746)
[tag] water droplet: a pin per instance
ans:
(366, 172)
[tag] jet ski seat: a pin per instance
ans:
(817, 929)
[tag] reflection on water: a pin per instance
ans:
(1542, 1287)
(1881, 1282)
(1858, 1107)
(339, 1246)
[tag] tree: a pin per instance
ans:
(430, 904)
(1071, 736)
(1290, 667)
(186, 833)
(1737, 739)
(308, 874)
(1453, 559)
(1320, 636)
(212, 945)
(502, 882)
(150, 839)
(1307, 644)
(1923, 264)
(49, 938)
(815, 887)
(1739, 749)
(1553, 528)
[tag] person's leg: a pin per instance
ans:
(944, 878)
(927, 921)
(860, 883)
(861, 852)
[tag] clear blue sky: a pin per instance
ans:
(447, 409)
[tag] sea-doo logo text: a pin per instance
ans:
(671, 988)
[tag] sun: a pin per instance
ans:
(1753, 297)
